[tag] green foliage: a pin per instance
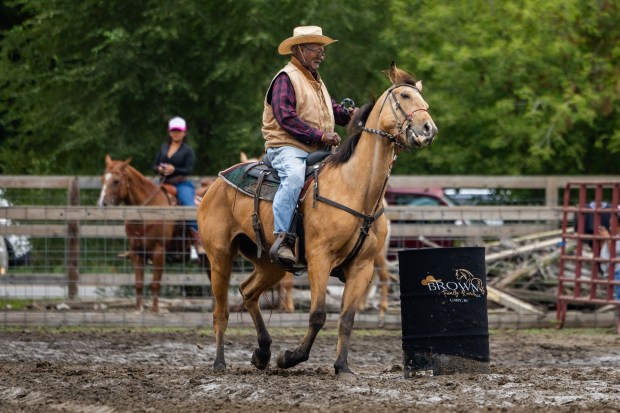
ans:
(528, 87)
(107, 82)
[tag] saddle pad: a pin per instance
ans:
(244, 176)
(239, 177)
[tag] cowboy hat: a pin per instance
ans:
(304, 34)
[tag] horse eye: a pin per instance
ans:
(116, 181)
(405, 95)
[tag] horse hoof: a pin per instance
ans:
(348, 377)
(219, 367)
(260, 358)
(284, 359)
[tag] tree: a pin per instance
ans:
(515, 88)
(525, 87)
(85, 78)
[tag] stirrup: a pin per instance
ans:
(290, 240)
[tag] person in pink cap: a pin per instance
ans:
(299, 117)
(175, 162)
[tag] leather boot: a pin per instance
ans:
(284, 253)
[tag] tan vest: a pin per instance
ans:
(314, 107)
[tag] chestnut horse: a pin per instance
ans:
(355, 177)
(153, 239)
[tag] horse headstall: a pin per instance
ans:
(405, 125)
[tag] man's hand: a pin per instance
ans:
(331, 138)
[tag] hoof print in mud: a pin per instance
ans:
(346, 377)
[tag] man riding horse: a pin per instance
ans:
(298, 119)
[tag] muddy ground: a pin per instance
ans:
(152, 371)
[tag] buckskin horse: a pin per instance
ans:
(151, 239)
(345, 217)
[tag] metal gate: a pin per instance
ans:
(584, 276)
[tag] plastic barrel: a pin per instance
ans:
(444, 311)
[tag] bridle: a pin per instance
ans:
(124, 185)
(404, 126)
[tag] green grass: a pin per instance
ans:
(21, 303)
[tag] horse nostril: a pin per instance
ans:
(429, 129)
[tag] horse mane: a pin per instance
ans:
(354, 130)
(132, 173)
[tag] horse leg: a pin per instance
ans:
(363, 301)
(358, 277)
(221, 268)
(264, 276)
(158, 270)
(137, 259)
(384, 279)
(285, 293)
(318, 290)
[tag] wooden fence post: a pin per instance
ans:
(551, 191)
(73, 241)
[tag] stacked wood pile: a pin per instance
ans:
(522, 273)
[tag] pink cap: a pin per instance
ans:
(177, 123)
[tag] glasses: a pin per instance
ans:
(318, 51)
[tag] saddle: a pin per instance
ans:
(260, 181)
(171, 192)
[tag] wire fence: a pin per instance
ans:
(65, 263)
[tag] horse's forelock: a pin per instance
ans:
(398, 76)
(405, 77)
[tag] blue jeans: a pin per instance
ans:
(290, 162)
(185, 195)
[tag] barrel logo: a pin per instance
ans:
(460, 288)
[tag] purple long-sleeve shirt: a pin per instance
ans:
(284, 103)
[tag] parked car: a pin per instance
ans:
(427, 197)
(15, 249)
(418, 197)
(437, 197)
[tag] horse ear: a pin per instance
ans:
(391, 73)
(108, 160)
(126, 162)
(243, 157)
(418, 84)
